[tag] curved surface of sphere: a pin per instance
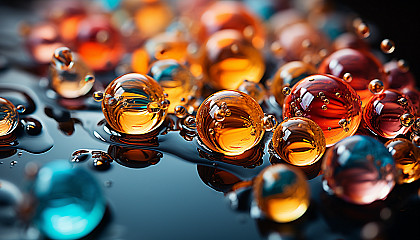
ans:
(359, 169)
(70, 201)
(175, 79)
(230, 60)
(389, 114)
(407, 159)
(281, 193)
(134, 104)
(8, 117)
(288, 75)
(230, 122)
(363, 67)
(329, 102)
(299, 141)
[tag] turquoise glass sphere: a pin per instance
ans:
(70, 203)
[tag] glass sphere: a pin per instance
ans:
(253, 89)
(301, 41)
(230, 59)
(288, 75)
(99, 43)
(134, 104)
(299, 141)
(175, 79)
(232, 15)
(230, 122)
(407, 159)
(329, 102)
(386, 114)
(70, 203)
(8, 117)
(359, 169)
(69, 76)
(399, 76)
(281, 193)
(363, 67)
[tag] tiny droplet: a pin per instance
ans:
(387, 46)
(407, 119)
(98, 96)
(286, 91)
(347, 77)
(376, 86)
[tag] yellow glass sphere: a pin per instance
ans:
(230, 122)
(230, 59)
(299, 141)
(134, 104)
(281, 193)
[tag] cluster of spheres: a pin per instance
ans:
(322, 90)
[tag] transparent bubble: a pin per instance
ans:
(348, 77)
(376, 86)
(387, 46)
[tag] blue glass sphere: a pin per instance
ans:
(70, 203)
(359, 169)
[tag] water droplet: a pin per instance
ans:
(416, 125)
(211, 131)
(180, 111)
(13, 163)
(362, 30)
(387, 46)
(153, 107)
(269, 122)
(20, 154)
(321, 94)
(220, 115)
(20, 109)
(80, 155)
(329, 128)
(326, 101)
(407, 120)
(62, 58)
(338, 94)
(102, 161)
(347, 77)
(190, 122)
(286, 91)
(376, 86)
(402, 101)
(324, 107)
(165, 104)
(98, 96)
(343, 123)
(298, 113)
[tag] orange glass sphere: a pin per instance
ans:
(230, 122)
(288, 75)
(328, 101)
(232, 15)
(363, 67)
(134, 104)
(99, 43)
(230, 60)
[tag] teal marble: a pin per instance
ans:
(70, 202)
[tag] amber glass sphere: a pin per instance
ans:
(407, 159)
(8, 117)
(134, 104)
(361, 65)
(281, 193)
(328, 101)
(301, 41)
(399, 76)
(231, 15)
(288, 75)
(389, 114)
(299, 141)
(99, 43)
(69, 76)
(230, 122)
(230, 59)
(175, 79)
